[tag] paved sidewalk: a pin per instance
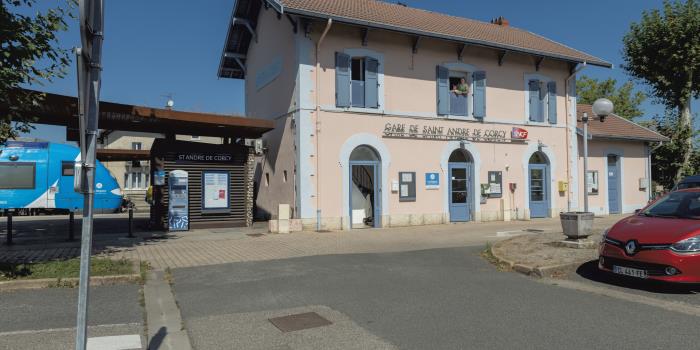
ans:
(212, 247)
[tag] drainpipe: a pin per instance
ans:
(318, 128)
(568, 158)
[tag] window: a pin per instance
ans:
(592, 181)
(67, 168)
(284, 176)
(356, 81)
(136, 146)
(461, 93)
(194, 137)
(542, 101)
(17, 176)
(267, 179)
(135, 180)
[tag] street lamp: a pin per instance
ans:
(602, 107)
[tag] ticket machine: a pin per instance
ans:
(178, 206)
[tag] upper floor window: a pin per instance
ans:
(542, 100)
(461, 93)
(356, 81)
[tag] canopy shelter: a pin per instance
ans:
(63, 110)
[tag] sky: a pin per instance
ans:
(159, 47)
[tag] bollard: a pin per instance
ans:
(8, 213)
(131, 221)
(71, 226)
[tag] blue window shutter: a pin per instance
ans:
(443, 90)
(371, 83)
(342, 79)
(534, 91)
(552, 102)
(479, 94)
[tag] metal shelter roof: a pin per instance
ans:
(63, 110)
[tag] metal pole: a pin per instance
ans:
(131, 221)
(8, 213)
(71, 226)
(89, 68)
(585, 161)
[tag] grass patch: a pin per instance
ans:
(60, 269)
(487, 254)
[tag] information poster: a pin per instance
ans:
(215, 189)
(432, 181)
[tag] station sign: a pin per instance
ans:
(432, 132)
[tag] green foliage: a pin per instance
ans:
(64, 269)
(626, 100)
(668, 159)
(663, 51)
(29, 55)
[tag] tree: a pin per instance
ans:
(626, 101)
(663, 51)
(668, 158)
(29, 55)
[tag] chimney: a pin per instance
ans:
(501, 21)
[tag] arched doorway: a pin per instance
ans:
(460, 185)
(365, 190)
(538, 177)
(614, 202)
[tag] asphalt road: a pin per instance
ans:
(44, 318)
(433, 299)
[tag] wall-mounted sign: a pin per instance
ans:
(159, 177)
(428, 132)
(202, 157)
(518, 133)
(215, 191)
(432, 181)
(407, 187)
(495, 184)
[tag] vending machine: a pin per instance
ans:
(178, 206)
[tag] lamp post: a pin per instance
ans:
(602, 107)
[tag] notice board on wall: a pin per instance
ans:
(215, 191)
(407, 186)
(495, 184)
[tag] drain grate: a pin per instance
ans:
(298, 322)
(535, 230)
(255, 234)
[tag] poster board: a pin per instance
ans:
(215, 191)
(495, 184)
(407, 186)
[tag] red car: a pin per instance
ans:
(660, 242)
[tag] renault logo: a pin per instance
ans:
(631, 247)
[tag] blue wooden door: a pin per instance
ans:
(614, 204)
(539, 190)
(459, 191)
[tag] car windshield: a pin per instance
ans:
(684, 205)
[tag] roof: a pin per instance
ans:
(616, 127)
(389, 16)
(63, 110)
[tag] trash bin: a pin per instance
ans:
(577, 224)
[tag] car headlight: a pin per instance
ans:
(690, 245)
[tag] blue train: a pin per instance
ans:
(38, 176)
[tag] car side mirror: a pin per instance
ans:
(637, 211)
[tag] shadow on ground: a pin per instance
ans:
(591, 272)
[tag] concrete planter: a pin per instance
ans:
(577, 225)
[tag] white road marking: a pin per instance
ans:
(71, 329)
(117, 342)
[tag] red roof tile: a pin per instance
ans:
(616, 127)
(390, 16)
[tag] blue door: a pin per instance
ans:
(459, 191)
(365, 194)
(614, 205)
(539, 190)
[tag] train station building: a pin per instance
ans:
(385, 115)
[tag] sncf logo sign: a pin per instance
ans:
(518, 133)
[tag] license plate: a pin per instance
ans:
(628, 271)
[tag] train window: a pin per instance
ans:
(67, 168)
(17, 176)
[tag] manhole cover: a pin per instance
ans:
(255, 234)
(298, 322)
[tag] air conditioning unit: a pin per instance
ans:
(257, 145)
(643, 183)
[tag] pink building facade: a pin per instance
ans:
(383, 123)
